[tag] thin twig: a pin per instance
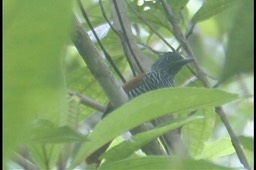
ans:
(151, 27)
(189, 32)
(99, 42)
(24, 162)
(89, 102)
(189, 81)
(105, 16)
(182, 40)
(149, 48)
(126, 36)
(234, 139)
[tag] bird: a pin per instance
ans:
(160, 75)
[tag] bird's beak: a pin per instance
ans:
(186, 60)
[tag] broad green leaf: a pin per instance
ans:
(240, 44)
(162, 163)
(217, 149)
(247, 142)
(126, 148)
(45, 156)
(35, 34)
(248, 148)
(177, 5)
(45, 132)
(143, 108)
(46, 143)
(154, 15)
(211, 8)
(250, 157)
(224, 20)
(198, 132)
(73, 112)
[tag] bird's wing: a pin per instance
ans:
(133, 83)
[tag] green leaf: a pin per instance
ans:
(198, 132)
(48, 142)
(217, 149)
(240, 45)
(177, 5)
(247, 142)
(73, 112)
(45, 156)
(143, 108)
(154, 15)
(248, 148)
(35, 34)
(126, 148)
(211, 8)
(45, 132)
(161, 163)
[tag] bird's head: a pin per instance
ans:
(169, 63)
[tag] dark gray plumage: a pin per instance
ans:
(161, 75)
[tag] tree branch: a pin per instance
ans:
(101, 72)
(105, 16)
(98, 67)
(123, 28)
(137, 58)
(128, 41)
(151, 27)
(182, 40)
(234, 139)
(99, 42)
(89, 102)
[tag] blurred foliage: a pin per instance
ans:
(35, 36)
(142, 108)
(41, 66)
(162, 162)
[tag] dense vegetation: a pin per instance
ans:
(58, 81)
